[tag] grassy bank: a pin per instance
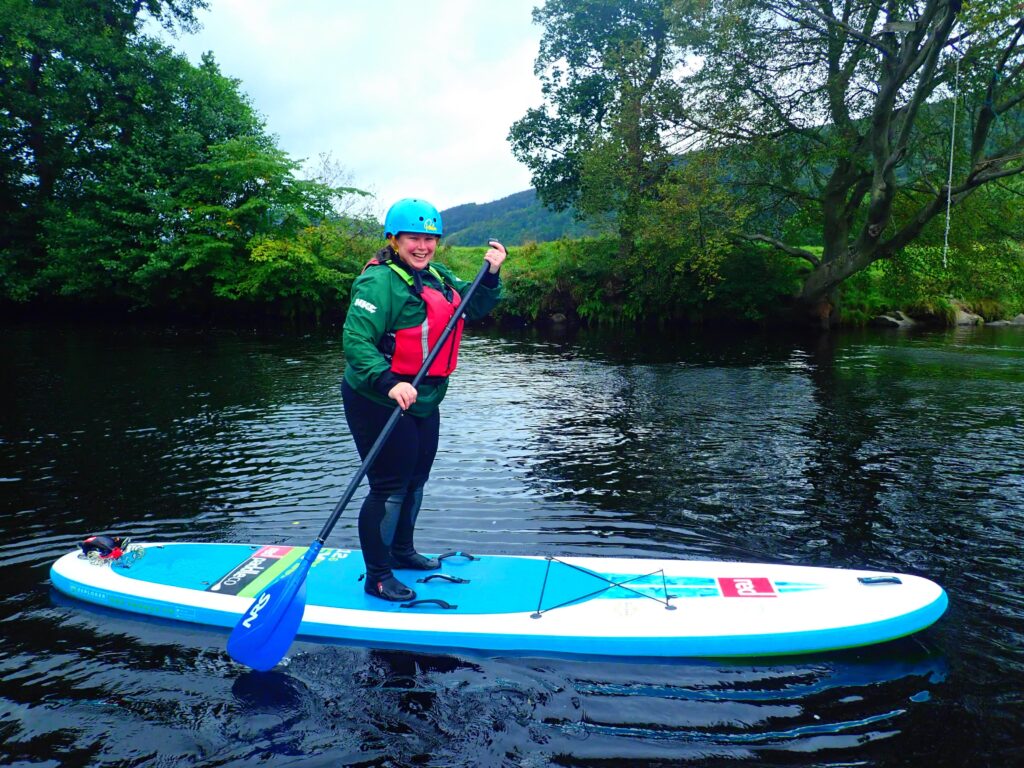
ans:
(586, 281)
(987, 280)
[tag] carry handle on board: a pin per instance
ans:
(263, 634)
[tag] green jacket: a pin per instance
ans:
(383, 303)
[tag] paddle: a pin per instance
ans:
(262, 636)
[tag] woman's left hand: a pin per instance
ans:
(495, 256)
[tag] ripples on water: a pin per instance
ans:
(875, 450)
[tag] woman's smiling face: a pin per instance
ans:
(416, 249)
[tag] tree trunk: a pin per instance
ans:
(627, 243)
(825, 311)
(826, 277)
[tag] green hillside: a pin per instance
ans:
(515, 220)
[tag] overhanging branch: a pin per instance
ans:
(937, 204)
(800, 253)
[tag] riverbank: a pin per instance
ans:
(587, 282)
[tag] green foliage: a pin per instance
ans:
(757, 283)
(985, 278)
(686, 226)
(130, 175)
(838, 116)
(117, 232)
(307, 272)
(82, 90)
(243, 192)
(982, 271)
(605, 69)
(572, 277)
(588, 280)
(835, 124)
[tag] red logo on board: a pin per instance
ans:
(273, 552)
(756, 587)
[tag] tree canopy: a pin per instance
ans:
(606, 73)
(739, 150)
(830, 116)
(127, 173)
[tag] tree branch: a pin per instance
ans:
(791, 193)
(1009, 104)
(989, 112)
(832, 20)
(859, 188)
(928, 58)
(689, 119)
(937, 204)
(1008, 51)
(800, 253)
(984, 178)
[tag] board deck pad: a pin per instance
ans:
(575, 605)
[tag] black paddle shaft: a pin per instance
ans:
(397, 413)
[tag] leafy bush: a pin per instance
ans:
(590, 280)
(987, 278)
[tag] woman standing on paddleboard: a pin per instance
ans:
(400, 305)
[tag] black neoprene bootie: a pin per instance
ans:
(414, 561)
(389, 588)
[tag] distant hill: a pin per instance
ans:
(515, 220)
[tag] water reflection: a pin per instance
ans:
(445, 710)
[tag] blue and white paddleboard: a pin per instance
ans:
(564, 605)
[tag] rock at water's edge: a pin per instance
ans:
(895, 320)
(964, 317)
(1018, 320)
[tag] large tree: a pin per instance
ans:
(128, 175)
(597, 145)
(834, 117)
(841, 112)
(76, 86)
(119, 212)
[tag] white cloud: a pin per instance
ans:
(414, 98)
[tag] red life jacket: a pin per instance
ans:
(412, 345)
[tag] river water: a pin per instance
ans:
(876, 449)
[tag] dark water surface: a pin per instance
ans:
(874, 450)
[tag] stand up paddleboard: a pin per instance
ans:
(564, 605)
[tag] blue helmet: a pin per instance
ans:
(412, 215)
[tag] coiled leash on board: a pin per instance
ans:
(108, 550)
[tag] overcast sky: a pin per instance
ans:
(413, 98)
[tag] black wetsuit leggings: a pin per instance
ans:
(387, 518)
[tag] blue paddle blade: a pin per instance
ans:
(262, 636)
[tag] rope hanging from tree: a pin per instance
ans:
(949, 178)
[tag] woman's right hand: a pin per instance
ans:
(403, 393)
